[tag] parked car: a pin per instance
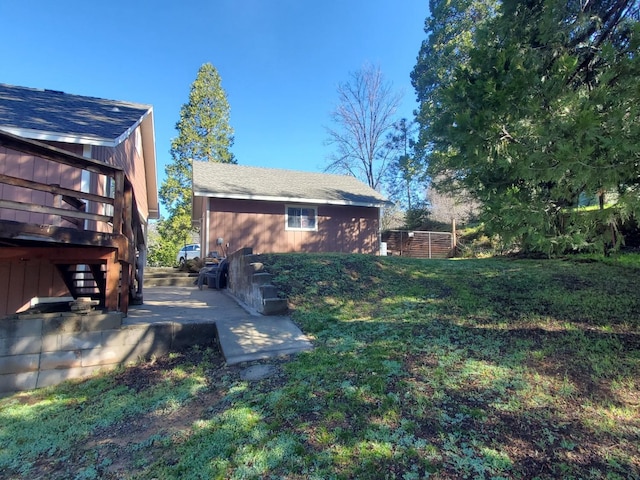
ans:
(188, 252)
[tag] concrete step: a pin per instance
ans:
(169, 277)
(170, 281)
(268, 291)
(261, 278)
(166, 272)
(274, 306)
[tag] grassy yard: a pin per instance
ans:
(422, 369)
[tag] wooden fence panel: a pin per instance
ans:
(418, 244)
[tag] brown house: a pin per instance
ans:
(272, 210)
(77, 188)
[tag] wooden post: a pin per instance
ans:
(127, 227)
(112, 281)
(454, 237)
(125, 282)
(118, 202)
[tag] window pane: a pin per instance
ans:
(293, 217)
(308, 218)
(301, 218)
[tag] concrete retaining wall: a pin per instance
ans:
(46, 349)
(250, 283)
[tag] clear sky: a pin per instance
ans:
(280, 61)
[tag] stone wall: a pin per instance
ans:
(39, 350)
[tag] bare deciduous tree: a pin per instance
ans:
(364, 115)
(455, 205)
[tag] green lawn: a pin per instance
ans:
(489, 368)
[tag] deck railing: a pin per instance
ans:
(73, 216)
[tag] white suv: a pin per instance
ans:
(188, 252)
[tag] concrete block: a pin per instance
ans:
(20, 346)
(54, 377)
(77, 341)
(19, 363)
(274, 306)
(15, 382)
(59, 360)
(137, 333)
(101, 321)
(261, 278)
(98, 357)
(20, 327)
(61, 324)
(36, 316)
(189, 334)
(128, 335)
(159, 348)
(268, 291)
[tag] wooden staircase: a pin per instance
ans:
(85, 280)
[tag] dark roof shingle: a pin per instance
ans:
(63, 114)
(220, 180)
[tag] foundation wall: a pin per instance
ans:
(46, 349)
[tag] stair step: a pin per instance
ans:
(274, 306)
(168, 277)
(268, 291)
(170, 281)
(261, 278)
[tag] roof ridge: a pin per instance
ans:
(62, 92)
(340, 175)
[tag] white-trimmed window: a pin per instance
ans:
(109, 191)
(301, 218)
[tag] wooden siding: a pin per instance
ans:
(131, 160)
(261, 226)
(29, 167)
(23, 279)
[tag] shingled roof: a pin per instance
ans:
(53, 116)
(219, 180)
(58, 116)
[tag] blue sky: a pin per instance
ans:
(280, 61)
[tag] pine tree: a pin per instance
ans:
(204, 134)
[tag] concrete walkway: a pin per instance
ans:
(243, 335)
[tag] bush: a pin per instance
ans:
(474, 242)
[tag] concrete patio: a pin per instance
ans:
(243, 334)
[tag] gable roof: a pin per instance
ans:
(51, 115)
(58, 116)
(220, 180)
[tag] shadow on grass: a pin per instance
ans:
(537, 360)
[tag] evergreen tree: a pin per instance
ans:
(542, 113)
(204, 134)
(450, 30)
(406, 176)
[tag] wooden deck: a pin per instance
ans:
(88, 242)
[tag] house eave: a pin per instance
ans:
(149, 152)
(41, 135)
(267, 198)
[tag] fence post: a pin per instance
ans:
(454, 239)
